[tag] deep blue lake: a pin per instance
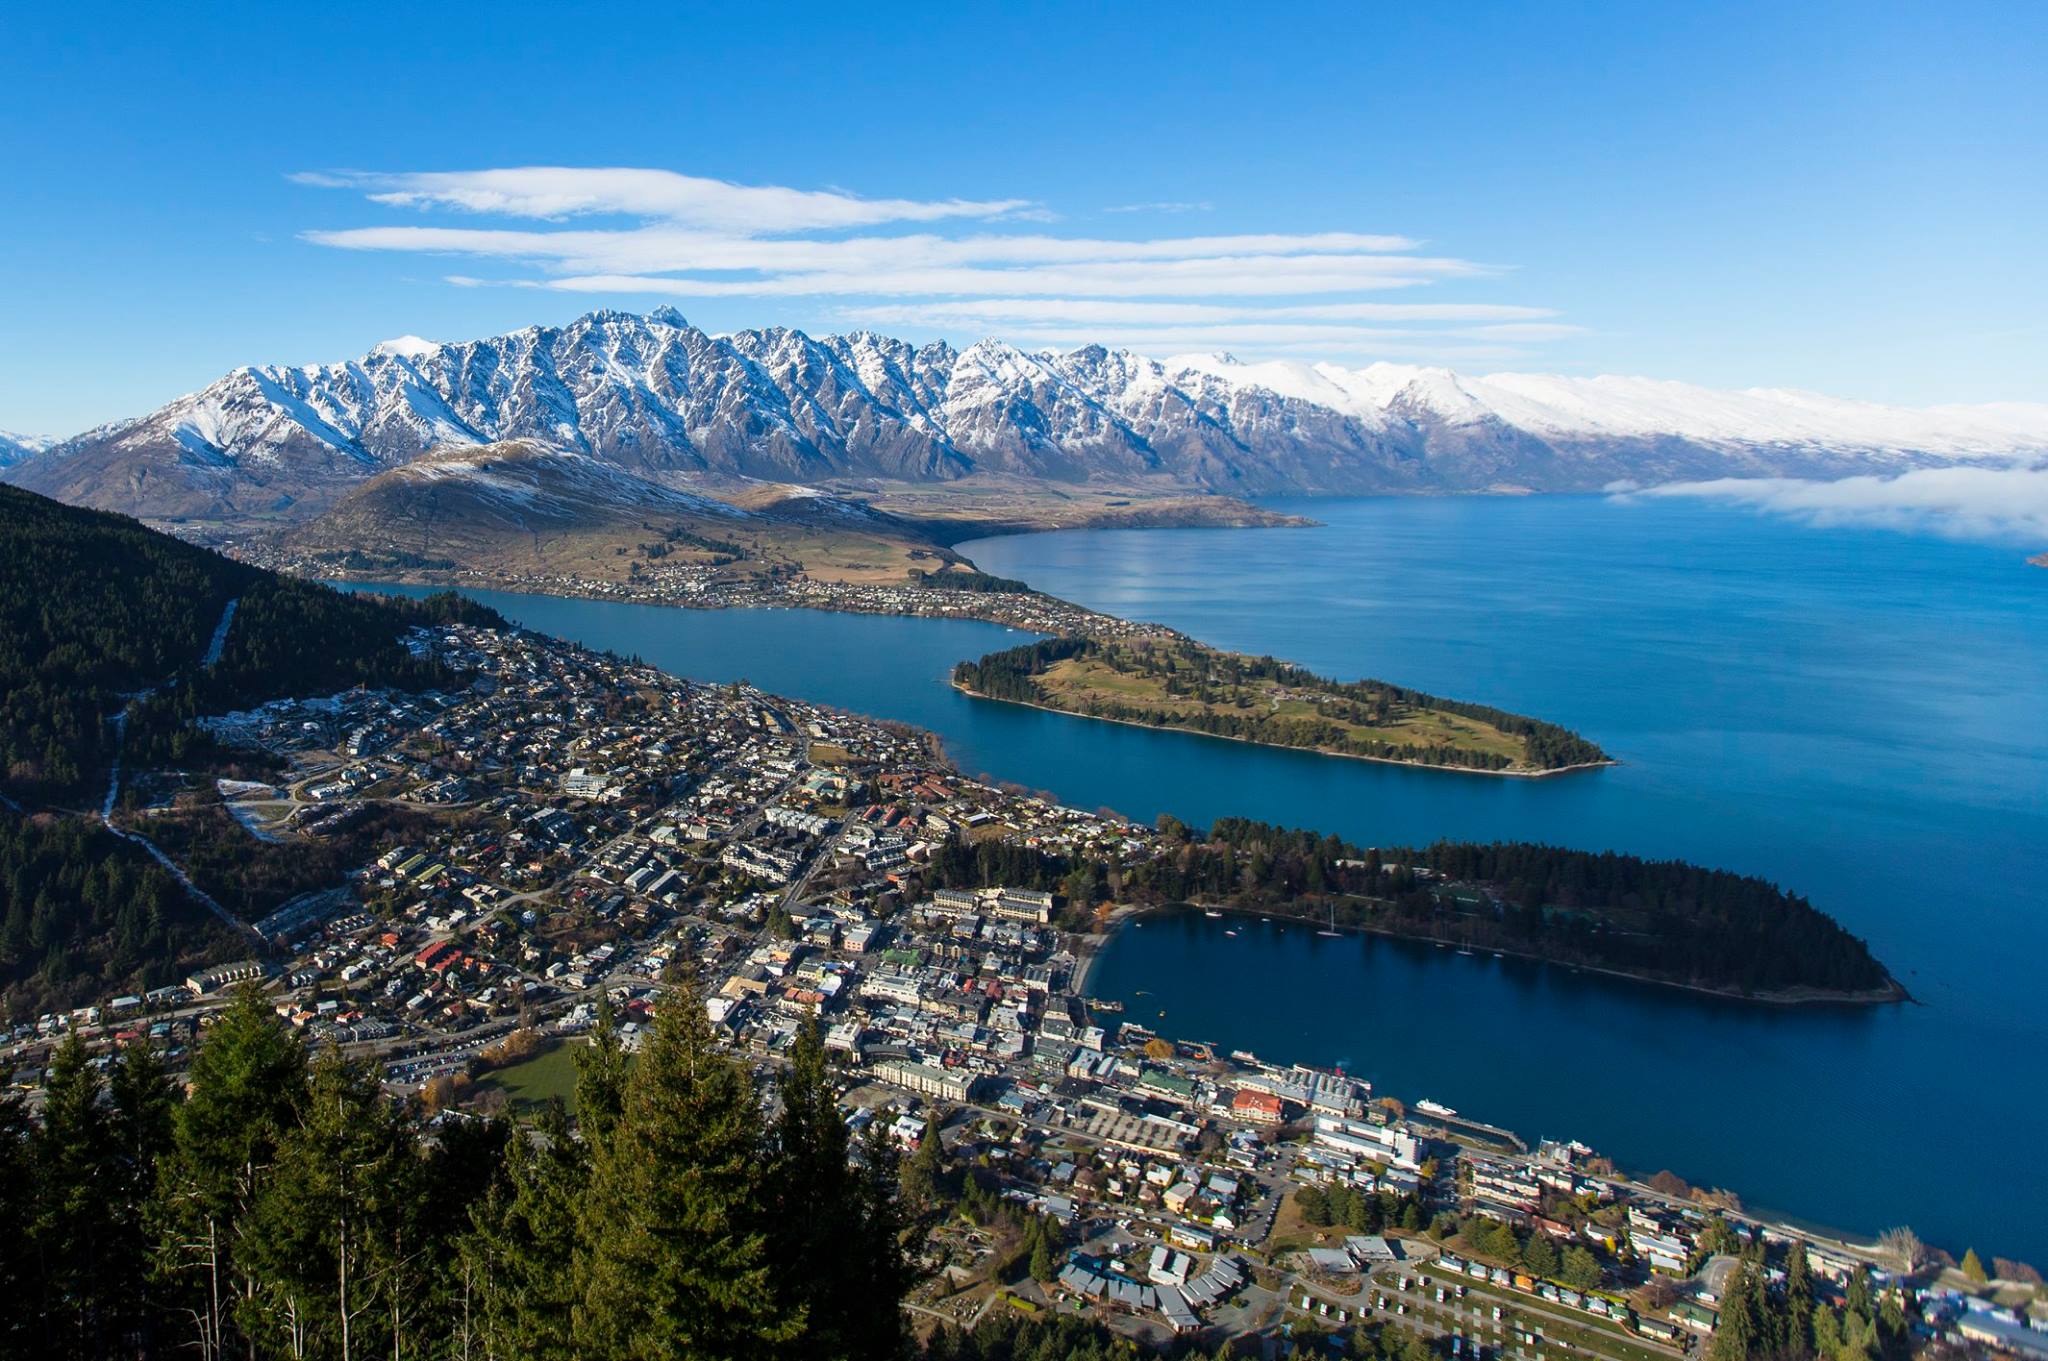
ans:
(1860, 715)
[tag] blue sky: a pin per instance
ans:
(1844, 198)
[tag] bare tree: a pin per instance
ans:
(1903, 1249)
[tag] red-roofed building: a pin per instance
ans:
(1260, 1108)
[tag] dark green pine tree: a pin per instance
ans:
(143, 1106)
(1798, 1339)
(20, 1329)
(519, 1260)
(77, 1222)
(465, 1160)
(465, 1164)
(925, 1175)
(1855, 1338)
(1769, 1308)
(1580, 1268)
(1043, 1265)
(1738, 1335)
(837, 1243)
(245, 1089)
(334, 1245)
(888, 1223)
(600, 1078)
(675, 1259)
(1856, 1298)
(1894, 1335)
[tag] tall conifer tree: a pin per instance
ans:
(600, 1078)
(333, 1243)
(143, 1104)
(1798, 1301)
(20, 1329)
(520, 1256)
(77, 1224)
(1737, 1335)
(833, 1233)
(675, 1260)
(245, 1089)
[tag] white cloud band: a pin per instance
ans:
(2007, 505)
(553, 191)
(693, 237)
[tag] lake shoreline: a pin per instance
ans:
(981, 608)
(968, 606)
(1278, 746)
(1810, 765)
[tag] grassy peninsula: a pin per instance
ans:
(1179, 683)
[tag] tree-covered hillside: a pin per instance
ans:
(92, 607)
(85, 915)
(98, 611)
(95, 608)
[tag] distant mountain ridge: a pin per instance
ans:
(665, 401)
(526, 485)
(17, 448)
(458, 500)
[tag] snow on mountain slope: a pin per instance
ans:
(1645, 408)
(523, 480)
(17, 448)
(1322, 385)
(670, 404)
(468, 499)
(525, 506)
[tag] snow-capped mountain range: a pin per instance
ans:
(14, 448)
(667, 402)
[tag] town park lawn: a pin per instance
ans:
(533, 1082)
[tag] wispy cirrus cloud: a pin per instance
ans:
(1170, 206)
(554, 192)
(982, 310)
(1436, 331)
(1221, 276)
(944, 264)
(657, 250)
(2006, 505)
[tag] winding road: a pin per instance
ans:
(120, 722)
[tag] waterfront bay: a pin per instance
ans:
(1857, 714)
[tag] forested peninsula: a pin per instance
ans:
(1179, 683)
(1659, 921)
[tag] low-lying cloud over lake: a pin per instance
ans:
(1999, 504)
